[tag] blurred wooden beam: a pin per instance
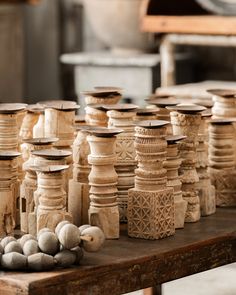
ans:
(19, 1)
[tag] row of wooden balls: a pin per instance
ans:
(61, 248)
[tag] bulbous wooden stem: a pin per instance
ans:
(224, 107)
(60, 124)
(50, 200)
(188, 124)
(78, 197)
(125, 153)
(150, 203)
(28, 123)
(38, 129)
(222, 163)
(103, 211)
(96, 117)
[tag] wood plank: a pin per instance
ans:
(127, 264)
(215, 25)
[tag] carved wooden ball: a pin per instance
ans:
(79, 254)
(30, 247)
(13, 246)
(48, 243)
(43, 230)
(60, 225)
(25, 238)
(40, 262)
(69, 236)
(98, 238)
(7, 240)
(65, 258)
(14, 261)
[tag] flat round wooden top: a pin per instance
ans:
(222, 121)
(49, 168)
(40, 140)
(146, 111)
(6, 155)
(152, 124)
(35, 108)
(187, 108)
(124, 107)
(60, 104)
(164, 102)
(104, 132)
(223, 92)
(11, 108)
(52, 153)
(206, 113)
(172, 139)
(104, 92)
(159, 96)
(208, 103)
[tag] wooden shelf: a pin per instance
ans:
(127, 264)
(202, 24)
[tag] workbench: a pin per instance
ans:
(127, 264)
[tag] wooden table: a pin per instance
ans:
(127, 264)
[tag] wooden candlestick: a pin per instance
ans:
(164, 113)
(50, 197)
(122, 116)
(205, 189)
(38, 129)
(151, 203)
(96, 116)
(172, 166)
(222, 161)
(78, 197)
(186, 120)
(103, 210)
(8, 191)
(29, 183)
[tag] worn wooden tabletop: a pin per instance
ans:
(127, 264)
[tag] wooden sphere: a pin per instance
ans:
(48, 243)
(31, 247)
(79, 254)
(83, 227)
(43, 230)
(98, 239)
(40, 262)
(14, 261)
(65, 258)
(60, 225)
(25, 238)
(13, 246)
(69, 236)
(7, 240)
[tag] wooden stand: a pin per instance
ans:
(186, 121)
(9, 189)
(122, 116)
(222, 161)
(50, 197)
(151, 203)
(29, 184)
(103, 210)
(78, 198)
(30, 119)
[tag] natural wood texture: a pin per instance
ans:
(126, 264)
(200, 24)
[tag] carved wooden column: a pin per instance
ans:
(8, 191)
(172, 166)
(103, 210)
(206, 190)
(29, 183)
(38, 129)
(186, 120)
(9, 141)
(221, 161)
(151, 202)
(122, 116)
(96, 116)
(78, 198)
(50, 197)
